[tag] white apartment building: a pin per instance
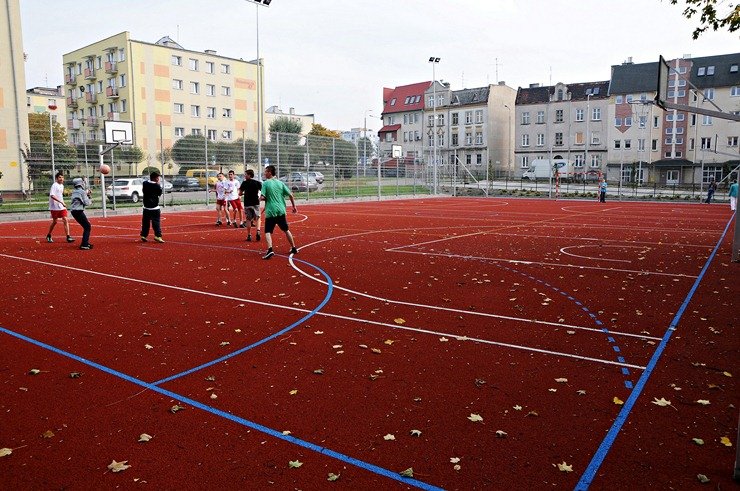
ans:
(274, 112)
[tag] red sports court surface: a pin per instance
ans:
(482, 343)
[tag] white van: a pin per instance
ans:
(544, 169)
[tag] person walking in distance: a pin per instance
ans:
(274, 192)
(220, 200)
(231, 189)
(733, 196)
(151, 213)
(80, 199)
(710, 191)
(250, 189)
(57, 207)
(602, 191)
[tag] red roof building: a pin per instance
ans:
(403, 111)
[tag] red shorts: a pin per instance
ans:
(58, 213)
(220, 202)
(236, 204)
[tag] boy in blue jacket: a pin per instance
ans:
(81, 199)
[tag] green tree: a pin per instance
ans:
(320, 130)
(38, 153)
(190, 152)
(709, 17)
(289, 131)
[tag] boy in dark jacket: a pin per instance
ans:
(152, 192)
(81, 199)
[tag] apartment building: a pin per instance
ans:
(649, 145)
(167, 91)
(274, 112)
(403, 115)
(14, 129)
(563, 121)
(47, 99)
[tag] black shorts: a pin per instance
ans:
(280, 221)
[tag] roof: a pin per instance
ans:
(578, 92)
(404, 98)
(390, 127)
(470, 96)
(630, 78)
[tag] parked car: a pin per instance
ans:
(185, 183)
(126, 187)
(300, 181)
(318, 176)
(200, 174)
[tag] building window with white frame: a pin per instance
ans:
(468, 138)
(654, 145)
(430, 140)
(558, 115)
(580, 160)
(441, 140)
(596, 114)
(706, 143)
(709, 94)
(735, 91)
(193, 64)
(210, 90)
(540, 139)
(225, 68)
(468, 160)
(525, 117)
(627, 144)
(579, 115)
(179, 108)
(525, 140)
(479, 138)
(179, 131)
(732, 141)
(479, 159)
(455, 119)
(194, 87)
(227, 134)
(642, 122)
(196, 132)
(479, 116)
(618, 99)
(122, 80)
(211, 112)
(617, 122)
(209, 67)
(617, 144)
(540, 117)
(195, 111)
(706, 120)
(121, 54)
(177, 60)
(405, 119)
(524, 161)
(176, 84)
(440, 119)
(595, 160)
(212, 135)
(640, 144)
(430, 120)
(124, 105)
(558, 139)
(225, 90)
(628, 121)
(226, 112)
(468, 117)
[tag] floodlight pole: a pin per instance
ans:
(258, 4)
(433, 60)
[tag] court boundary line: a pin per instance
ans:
(603, 450)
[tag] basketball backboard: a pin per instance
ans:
(396, 151)
(119, 132)
(662, 90)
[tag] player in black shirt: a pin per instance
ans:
(250, 189)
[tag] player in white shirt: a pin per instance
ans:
(231, 188)
(57, 207)
(220, 200)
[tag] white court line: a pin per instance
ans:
(324, 314)
(563, 250)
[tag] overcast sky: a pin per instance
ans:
(332, 58)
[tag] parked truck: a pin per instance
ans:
(543, 169)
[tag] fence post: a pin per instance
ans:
(334, 165)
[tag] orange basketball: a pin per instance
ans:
(104, 169)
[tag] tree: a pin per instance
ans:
(190, 152)
(287, 128)
(709, 17)
(38, 153)
(320, 130)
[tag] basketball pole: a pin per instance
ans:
(102, 179)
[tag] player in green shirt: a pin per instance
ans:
(274, 192)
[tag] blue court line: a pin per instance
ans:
(329, 292)
(588, 475)
(231, 417)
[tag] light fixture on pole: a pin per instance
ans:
(52, 107)
(434, 60)
(258, 4)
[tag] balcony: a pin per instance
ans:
(111, 92)
(91, 98)
(71, 102)
(73, 124)
(114, 116)
(111, 67)
(89, 74)
(70, 79)
(93, 122)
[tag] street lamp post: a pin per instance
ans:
(84, 146)
(434, 60)
(52, 107)
(258, 4)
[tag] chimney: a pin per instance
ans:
(291, 110)
(687, 56)
(534, 86)
(446, 84)
(211, 51)
(501, 82)
(628, 62)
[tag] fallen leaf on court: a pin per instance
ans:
(408, 472)
(443, 339)
(286, 432)
(118, 466)
(569, 332)
(319, 371)
(415, 432)
(389, 341)
(617, 401)
(703, 402)
(47, 434)
(363, 346)
(662, 402)
(375, 350)
(727, 374)
(456, 467)
(702, 478)
(475, 417)
(581, 392)
(399, 321)
(333, 477)
(517, 408)
(389, 437)
(713, 386)
(454, 460)
(176, 408)
(214, 396)
(148, 346)
(294, 464)
(337, 346)
(725, 441)
(34, 371)
(698, 441)
(144, 437)
(552, 390)
(532, 413)
(501, 434)
(75, 375)
(561, 380)
(565, 467)
(293, 392)
(318, 332)
(5, 451)
(224, 343)
(210, 378)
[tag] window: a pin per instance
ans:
(211, 112)
(672, 83)
(405, 119)
(468, 117)
(525, 140)
(676, 93)
(479, 159)
(540, 139)
(629, 98)
(193, 64)
(735, 91)
(732, 141)
(618, 99)
(596, 114)
(440, 119)
(560, 94)
(122, 80)
(430, 120)
(709, 94)
(227, 112)
(468, 138)
(706, 120)
(417, 135)
(628, 121)
(706, 143)
(455, 119)
(124, 105)
(196, 131)
(177, 60)
(656, 121)
(733, 68)
(121, 54)
(641, 145)
(558, 115)
(595, 160)
(579, 115)
(580, 160)
(701, 71)
(430, 140)
(179, 131)
(617, 144)
(479, 138)
(691, 144)
(393, 101)
(468, 159)
(225, 90)
(479, 116)
(654, 145)
(441, 140)
(525, 117)
(617, 122)
(211, 135)
(579, 140)
(642, 122)
(227, 135)
(712, 173)
(209, 67)
(194, 87)
(524, 161)
(225, 68)
(210, 90)
(627, 144)
(195, 111)
(176, 84)
(710, 70)
(99, 62)
(558, 139)
(454, 140)
(179, 108)
(430, 101)
(540, 117)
